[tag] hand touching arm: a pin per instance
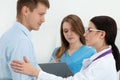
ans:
(24, 67)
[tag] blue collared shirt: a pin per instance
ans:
(15, 44)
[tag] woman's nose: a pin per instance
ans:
(70, 32)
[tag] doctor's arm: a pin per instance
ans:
(26, 68)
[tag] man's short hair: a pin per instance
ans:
(31, 4)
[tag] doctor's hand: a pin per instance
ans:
(24, 67)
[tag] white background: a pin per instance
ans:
(47, 38)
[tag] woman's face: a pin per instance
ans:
(69, 33)
(92, 35)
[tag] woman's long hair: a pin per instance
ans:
(78, 28)
(109, 25)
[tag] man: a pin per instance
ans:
(17, 42)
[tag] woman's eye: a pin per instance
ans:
(90, 30)
(65, 31)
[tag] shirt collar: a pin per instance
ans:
(97, 54)
(23, 29)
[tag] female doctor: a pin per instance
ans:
(103, 65)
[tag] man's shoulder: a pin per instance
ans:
(11, 37)
(13, 34)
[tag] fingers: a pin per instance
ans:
(17, 65)
(17, 69)
(26, 60)
(17, 62)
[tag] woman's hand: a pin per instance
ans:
(24, 67)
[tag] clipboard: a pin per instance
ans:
(58, 69)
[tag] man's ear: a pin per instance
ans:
(25, 10)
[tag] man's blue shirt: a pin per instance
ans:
(15, 44)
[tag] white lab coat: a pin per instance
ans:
(101, 69)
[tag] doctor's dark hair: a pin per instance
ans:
(31, 4)
(108, 25)
(78, 28)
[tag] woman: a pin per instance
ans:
(103, 65)
(73, 49)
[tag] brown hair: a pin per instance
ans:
(31, 4)
(78, 28)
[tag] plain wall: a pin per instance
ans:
(48, 37)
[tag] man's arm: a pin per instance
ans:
(18, 50)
